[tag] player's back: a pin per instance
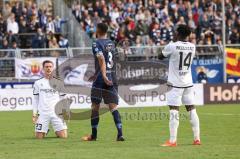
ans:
(107, 48)
(180, 59)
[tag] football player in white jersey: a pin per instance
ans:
(45, 99)
(180, 54)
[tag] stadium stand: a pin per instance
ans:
(155, 24)
(28, 25)
(141, 30)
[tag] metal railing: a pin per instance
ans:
(7, 64)
(235, 46)
(33, 53)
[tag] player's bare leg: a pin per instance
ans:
(194, 120)
(117, 120)
(173, 126)
(39, 135)
(94, 123)
(62, 134)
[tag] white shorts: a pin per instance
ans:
(42, 124)
(179, 96)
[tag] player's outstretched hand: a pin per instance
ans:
(107, 81)
(92, 78)
(34, 119)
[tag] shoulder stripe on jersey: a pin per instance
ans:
(36, 94)
(179, 87)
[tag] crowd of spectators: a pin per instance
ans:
(154, 23)
(30, 26)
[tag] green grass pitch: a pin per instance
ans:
(144, 132)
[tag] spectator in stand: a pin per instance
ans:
(204, 23)
(139, 50)
(63, 42)
(17, 10)
(217, 24)
(11, 38)
(191, 22)
(7, 10)
(49, 37)
(58, 23)
(181, 20)
(77, 12)
(234, 37)
(131, 5)
(43, 18)
(12, 26)
(98, 8)
(105, 16)
(114, 14)
(34, 24)
(50, 25)
(157, 38)
(201, 16)
(96, 19)
(14, 46)
(142, 30)
(3, 25)
(5, 45)
(90, 29)
(32, 9)
(140, 15)
(192, 38)
(122, 16)
(229, 28)
(87, 20)
(53, 43)
(25, 15)
(209, 37)
(18, 21)
(39, 39)
(130, 33)
(23, 30)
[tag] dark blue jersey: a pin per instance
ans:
(106, 48)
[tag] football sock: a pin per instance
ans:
(117, 120)
(173, 125)
(194, 120)
(94, 123)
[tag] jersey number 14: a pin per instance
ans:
(185, 61)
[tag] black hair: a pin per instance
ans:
(102, 27)
(47, 61)
(183, 31)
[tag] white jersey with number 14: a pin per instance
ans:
(180, 56)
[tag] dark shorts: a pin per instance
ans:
(101, 91)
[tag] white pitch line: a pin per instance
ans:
(218, 114)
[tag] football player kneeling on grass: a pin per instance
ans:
(45, 99)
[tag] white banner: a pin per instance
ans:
(21, 99)
(30, 68)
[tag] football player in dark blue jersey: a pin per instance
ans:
(104, 82)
